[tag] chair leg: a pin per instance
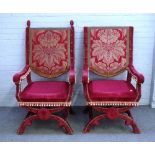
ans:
(130, 121)
(45, 114)
(27, 122)
(66, 113)
(62, 123)
(129, 113)
(71, 111)
(86, 110)
(112, 114)
(93, 122)
(89, 110)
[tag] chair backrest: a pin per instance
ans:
(108, 50)
(48, 50)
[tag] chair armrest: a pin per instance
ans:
(18, 77)
(139, 77)
(85, 76)
(72, 78)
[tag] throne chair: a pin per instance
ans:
(49, 54)
(108, 51)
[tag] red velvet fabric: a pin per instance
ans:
(111, 90)
(43, 91)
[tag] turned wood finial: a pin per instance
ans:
(71, 22)
(28, 23)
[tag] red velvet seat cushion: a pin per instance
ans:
(46, 91)
(111, 90)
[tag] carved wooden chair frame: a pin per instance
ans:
(45, 110)
(110, 109)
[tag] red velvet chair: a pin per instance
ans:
(49, 53)
(109, 52)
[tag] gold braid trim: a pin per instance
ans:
(112, 103)
(45, 104)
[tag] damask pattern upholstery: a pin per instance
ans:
(108, 50)
(49, 51)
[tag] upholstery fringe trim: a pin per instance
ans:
(45, 104)
(113, 103)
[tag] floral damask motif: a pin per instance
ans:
(108, 48)
(49, 51)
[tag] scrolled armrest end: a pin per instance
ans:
(135, 73)
(22, 74)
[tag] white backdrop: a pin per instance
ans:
(12, 46)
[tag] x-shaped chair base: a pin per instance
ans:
(46, 114)
(111, 113)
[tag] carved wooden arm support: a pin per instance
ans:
(72, 77)
(136, 75)
(132, 72)
(72, 81)
(85, 76)
(85, 81)
(18, 77)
